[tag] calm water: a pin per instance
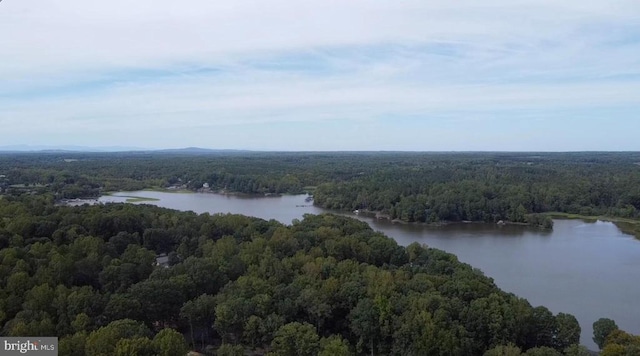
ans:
(590, 270)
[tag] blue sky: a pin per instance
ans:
(435, 75)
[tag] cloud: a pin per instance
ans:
(75, 66)
(91, 35)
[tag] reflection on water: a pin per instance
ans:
(587, 269)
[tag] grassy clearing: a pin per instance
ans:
(558, 215)
(131, 199)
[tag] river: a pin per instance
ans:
(589, 270)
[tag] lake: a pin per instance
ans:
(589, 270)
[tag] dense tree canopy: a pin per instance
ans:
(326, 285)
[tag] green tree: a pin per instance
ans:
(295, 339)
(39, 299)
(73, 345)
(138, 346)
(504, 350)
(230, 350)
(199, 313)
(160, 300)
(542, 351)
(123, 306)
(365, 323)
(82, 322)
(334, 346)
(619, 337)
(614, 350)
(122, 240)
(576, 350)
(568, 332)
(169, 342)
(28, 323)
(103, 341)
(416, 334)
(601, 329)
(259, 331)
(84, 300)
(158, 240)
(231, 316)
(544, 327)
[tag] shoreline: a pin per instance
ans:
(626, 225)
(201, 191)
(381, 216)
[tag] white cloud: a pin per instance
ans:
(70, 34)
(72, 66)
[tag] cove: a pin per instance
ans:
(589, 270)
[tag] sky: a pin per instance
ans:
(410, 75)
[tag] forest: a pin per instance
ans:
(236, 285)
(123, 279)
(409, 187)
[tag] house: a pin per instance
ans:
(162, 260)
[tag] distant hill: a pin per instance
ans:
(70, 149)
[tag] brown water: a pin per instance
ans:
(590, 270)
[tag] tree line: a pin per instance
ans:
(411, 187)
